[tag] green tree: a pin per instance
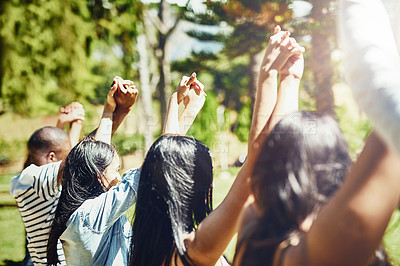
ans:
(45, 54)
(115, 28)
(250, 22)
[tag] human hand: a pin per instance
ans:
(194, 98)
(111, 103)
(295, 64)
(280, 48)
(186, 84)
(74, 112)
(126, 94)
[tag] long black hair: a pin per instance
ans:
(174, 196)
(301, 165)
(84, 164)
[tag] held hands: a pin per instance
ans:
(122, 95)
(191, 92)
(280, 49)
(72, 113)
(126, 94)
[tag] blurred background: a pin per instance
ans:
(55, 52)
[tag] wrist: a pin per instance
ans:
(60, 124)
(122, 110)
(289, 77)
(268, 73)
(108, 110)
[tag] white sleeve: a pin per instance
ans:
(372, 64)
(42, 179)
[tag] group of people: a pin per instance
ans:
(297, 200)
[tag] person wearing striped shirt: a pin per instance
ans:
(37, 189)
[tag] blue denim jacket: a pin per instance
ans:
(98, 233)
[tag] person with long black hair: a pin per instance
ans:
(174, 223)
(311, 206)
(89, 217)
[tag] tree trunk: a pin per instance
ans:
(321, 64)
(145, 91)
(164, 84)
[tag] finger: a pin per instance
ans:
(298, 50)
(192, 78)
(292, 41)
(121, 86)
(127, 82)
(113, 90)
(184, 80)
(201, 85)
(115, 80)
(277, 29)
(80, 117)
(285, 42)
(67, 109)
(198, 87)
(279, 36)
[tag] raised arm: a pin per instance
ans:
(208, 242)
(125, 97)
(190, 92)
(104, 130)
(73, 114)
(193, 102)
(283, 56)
(288, 93)
(350, 227)
(116, 108)
(372, 64)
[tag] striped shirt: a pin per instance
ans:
(36, 193)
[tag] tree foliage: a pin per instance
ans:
(44, 61)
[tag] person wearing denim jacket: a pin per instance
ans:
(89, 219)
(98, 233)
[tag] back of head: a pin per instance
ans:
(86, 162)
(301, 165)
(174, 196)
(45, 140)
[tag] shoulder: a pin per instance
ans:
(131, 173)
(31, 174)
(132, 177)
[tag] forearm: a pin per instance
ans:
(358, 214)
(288, 100)
(119, 115)
(372, 64)
(263, 107)
(75, 132)
(104, 130)
(216, 230)
(171, 124)
(186, 119)
(60, 124)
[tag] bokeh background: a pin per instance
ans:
(55, 52)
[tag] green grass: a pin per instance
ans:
(392, 239)
(12, 232)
